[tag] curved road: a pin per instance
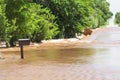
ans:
(106, 35)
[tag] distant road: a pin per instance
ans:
(106, 35)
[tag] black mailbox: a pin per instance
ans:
(24, 42)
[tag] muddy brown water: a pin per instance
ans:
(91, 61)
(62, 64)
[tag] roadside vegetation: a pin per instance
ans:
(117, 18)
(49, 19)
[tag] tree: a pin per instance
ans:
(47, 19)
(71, 15)
(3, 22)
(101, 13)
(28, 20)
(117, 18)
(74, 15)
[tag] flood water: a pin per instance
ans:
(89, 61)
(103, 56)
(62, 64)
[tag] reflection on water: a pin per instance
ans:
(103, 56)
(110, 56)
(61, 55)
(62, 64)
(107, 56)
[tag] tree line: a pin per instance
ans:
(48, 19)
(117, 18)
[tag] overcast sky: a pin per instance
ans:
(114, 5)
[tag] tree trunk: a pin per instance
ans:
(12, 42)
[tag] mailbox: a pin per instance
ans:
(24, 42)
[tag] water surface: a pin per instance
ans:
(62, 64)
(99, 60)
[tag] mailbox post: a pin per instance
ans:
(23, 42)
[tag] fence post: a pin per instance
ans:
(22, 52)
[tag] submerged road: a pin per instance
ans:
(73, 63)
(106, 35)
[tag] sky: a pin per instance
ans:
(114, 8)
(114, 5)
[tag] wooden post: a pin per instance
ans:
(22, 52)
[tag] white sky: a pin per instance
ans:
(114, 7)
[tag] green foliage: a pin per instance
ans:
(46, 27)
(26, 20)
(100, 13)
(2, 17)
(3, 22)
(117, 18)
(74, 15)
(71, 15)
(47, 19)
